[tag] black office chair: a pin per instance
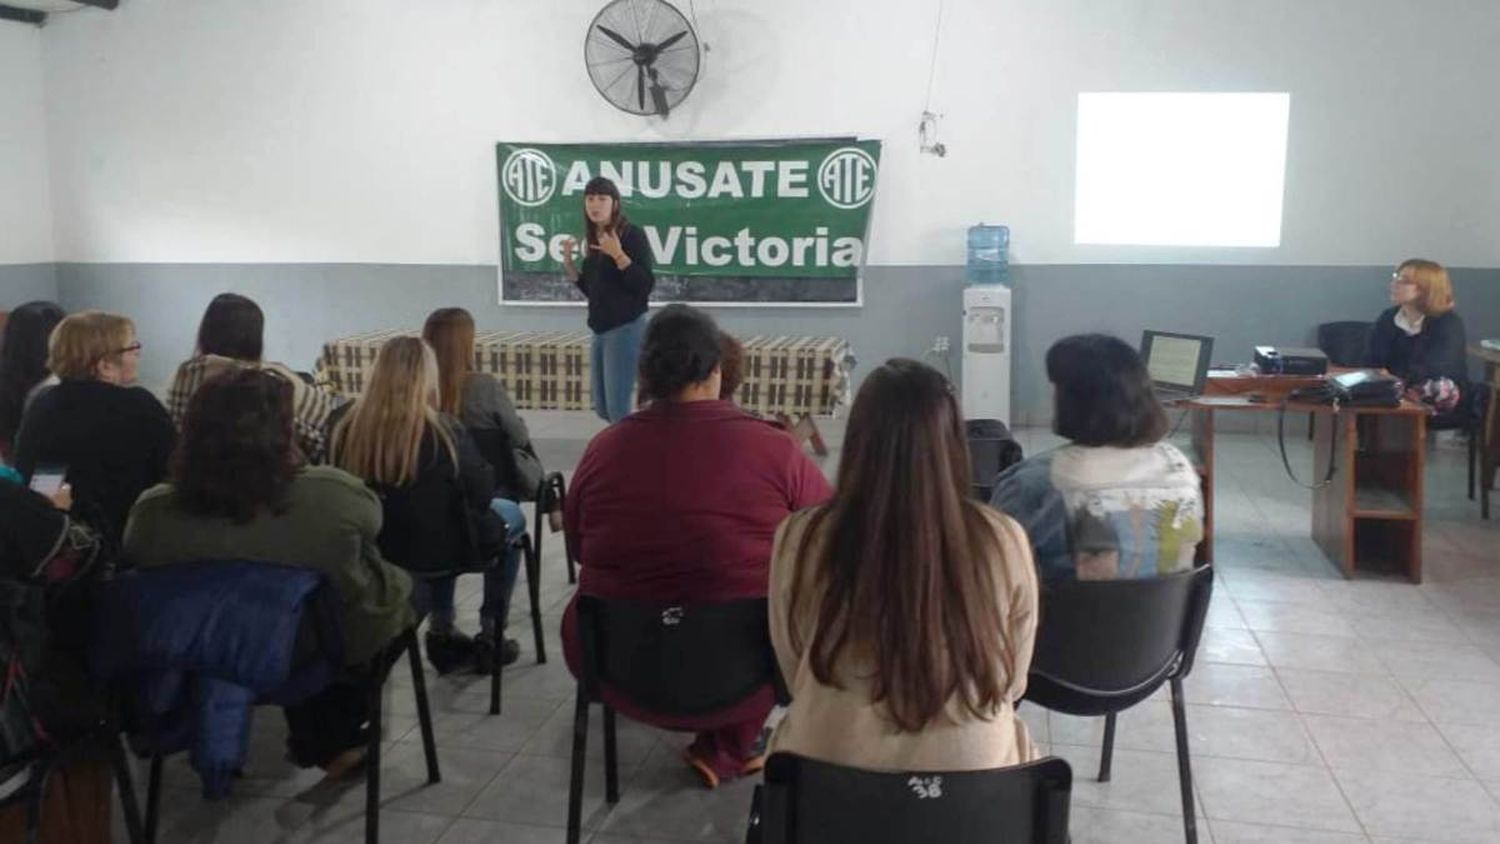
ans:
(672, 659)
(1105, 645)
(1469, 417)
(1344, 343)
(121, 614)
(805, 801)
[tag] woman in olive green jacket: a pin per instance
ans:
(240, 491)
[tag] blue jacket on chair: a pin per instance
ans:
(195, 646)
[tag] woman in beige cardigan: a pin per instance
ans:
(903, 613)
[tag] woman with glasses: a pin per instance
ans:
(1420, 339)
(112, 439)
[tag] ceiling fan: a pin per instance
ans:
(36, 11)
(642, 56)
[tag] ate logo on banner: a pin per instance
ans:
(847, 177)
(529, 177)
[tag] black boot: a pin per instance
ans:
(448, 651)
(485, 652)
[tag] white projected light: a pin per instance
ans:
(1161, 169)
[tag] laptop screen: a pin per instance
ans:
(1178, 363)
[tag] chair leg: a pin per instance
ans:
(372, 764)
(575, 784)
(153, 799)
(126, 782)
(1310, 418)
(534, 590)
(1107, 754)
(1184, 764)
(495, 687)
(424, 712)
(611, 758)
(1473, 456)
(34, 813)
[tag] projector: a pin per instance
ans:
(1284, 361)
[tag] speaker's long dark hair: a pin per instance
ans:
(904, 571)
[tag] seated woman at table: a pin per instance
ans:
(903, 613)
(1116, 501)
(232, 334)
(1420, 338)
(679, 502)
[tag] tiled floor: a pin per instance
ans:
(1320, 709)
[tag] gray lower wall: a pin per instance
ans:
(21, 283)
(905, 307)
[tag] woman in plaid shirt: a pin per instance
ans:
(232, 334)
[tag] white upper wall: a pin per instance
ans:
(363, 130)
(25, 206)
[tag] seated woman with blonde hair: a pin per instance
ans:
(437, 492)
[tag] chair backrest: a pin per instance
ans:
(1344, 342)
(992, 450)
(1121, 637)
(675, 658)
(810, 801)
(266, 626)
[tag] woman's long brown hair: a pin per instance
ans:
(903, 576)
(450, 333)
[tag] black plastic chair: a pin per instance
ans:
(805, 801)
(992, 450)
(672, 659)
(374, 682)
(522, 542)
(550, 496)
(406, 643)
(1105, 645)
(495, 447)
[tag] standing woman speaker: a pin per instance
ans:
(616, 279)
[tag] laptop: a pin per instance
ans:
(1178, 363)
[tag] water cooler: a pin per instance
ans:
(987, 319)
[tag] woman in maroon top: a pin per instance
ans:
(680, 502)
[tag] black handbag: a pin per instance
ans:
(1363, 388)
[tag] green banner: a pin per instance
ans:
(796, 209)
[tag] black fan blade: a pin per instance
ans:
(670, 41)
(616, 37)
(640, 85)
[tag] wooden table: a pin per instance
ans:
(1370, 515)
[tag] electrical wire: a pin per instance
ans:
(937, 35)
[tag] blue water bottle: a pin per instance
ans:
(989, 255)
